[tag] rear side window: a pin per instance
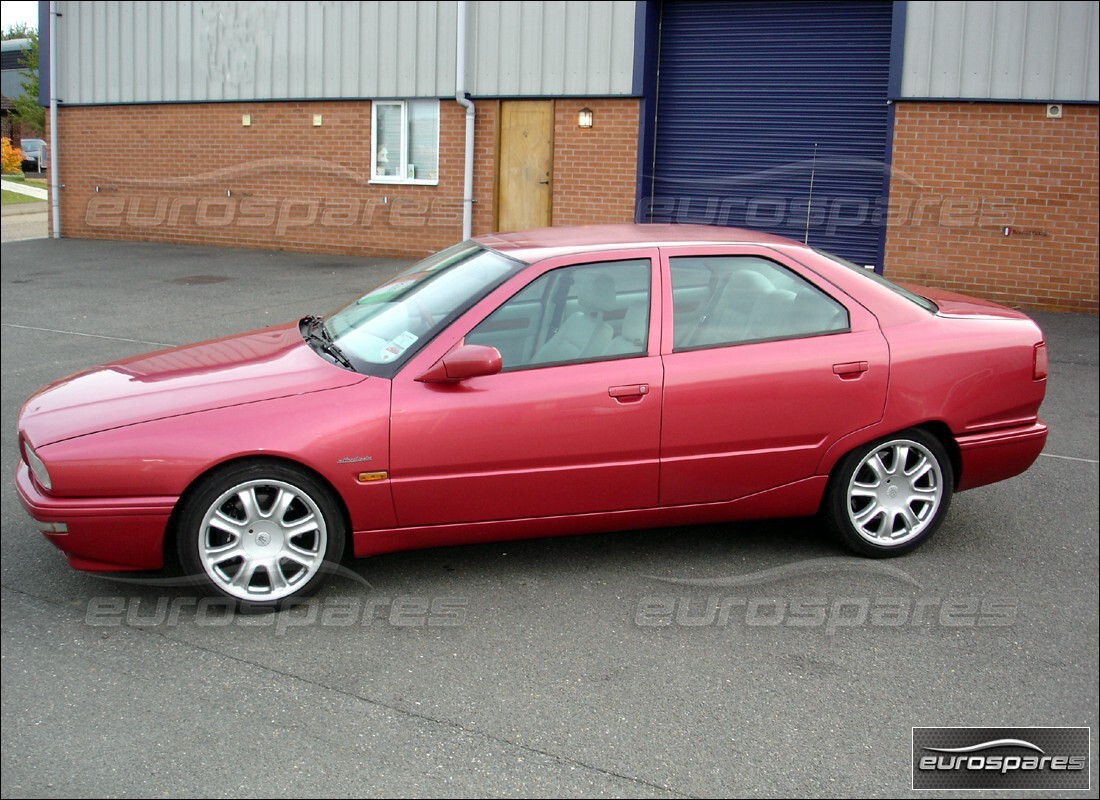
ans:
(727, 300)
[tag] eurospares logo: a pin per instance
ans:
(1001, 758)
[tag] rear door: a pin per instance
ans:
(765, 367)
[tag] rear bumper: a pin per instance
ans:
(109, 534)
(992, 456)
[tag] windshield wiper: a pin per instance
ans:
(313, 329)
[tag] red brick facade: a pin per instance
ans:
(962, 173)
(595, 168)
(191, 173)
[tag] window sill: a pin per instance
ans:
(404, 182)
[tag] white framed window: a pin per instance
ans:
(404, 140)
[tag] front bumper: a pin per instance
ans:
(995, 455)
(104, 534)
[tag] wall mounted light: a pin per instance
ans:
(246, 120)
(317, 119)
(584, 118)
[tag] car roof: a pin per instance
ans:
(539, 243)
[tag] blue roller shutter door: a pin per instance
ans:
(745, 90)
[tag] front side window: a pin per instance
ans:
(587, 312)
(405, 141)
(726, 300)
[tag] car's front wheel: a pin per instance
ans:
(261, 533)
(888, 497)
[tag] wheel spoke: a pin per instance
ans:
(219, 554)
(909, 518)
(300, 526)
(243, 579)
(250, 504)
(275, 577)
(877, 466)
(281, 504)
(864, 517)
(299, 555)
(901, 458)
(923, 467)
(224, 522)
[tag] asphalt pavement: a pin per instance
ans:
(753, 659)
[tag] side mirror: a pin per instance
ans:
(468, 361)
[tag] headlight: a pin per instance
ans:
(37, 467)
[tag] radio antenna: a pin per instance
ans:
(810, 199)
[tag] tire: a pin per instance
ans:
(261, 534)
(888, 497)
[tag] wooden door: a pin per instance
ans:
(526, 164)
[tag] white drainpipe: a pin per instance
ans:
(465, 102)
(55, 199)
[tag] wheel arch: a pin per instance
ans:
(171, 532)
(939, 429)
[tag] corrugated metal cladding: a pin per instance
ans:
(746, 90)
(136, 52)
(1002, 50)
(570, 47)
(139, 52)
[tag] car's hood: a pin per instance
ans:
(246, 368)
(953, 304)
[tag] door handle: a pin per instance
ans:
(544, 183)
(629, 394)
(850, 370)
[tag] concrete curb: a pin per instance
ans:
(22, 188)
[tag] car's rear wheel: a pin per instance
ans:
(888, 497)
(261, 534)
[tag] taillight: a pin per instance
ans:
(1040, 361)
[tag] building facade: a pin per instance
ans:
(950, 143)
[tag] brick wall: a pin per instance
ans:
(194, 174)
(191, 173)
(595, 168)
(964, 171)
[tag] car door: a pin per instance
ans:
(571, 425)
(765, 365)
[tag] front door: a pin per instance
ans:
(570, 426)
(526, 162)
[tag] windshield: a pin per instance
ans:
(387, 325)
(913, 297)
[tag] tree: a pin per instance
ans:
(26, 106)
(18, 30)
(11, 158)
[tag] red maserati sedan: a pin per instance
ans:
(540, 383)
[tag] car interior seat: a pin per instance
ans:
(632, 337)
(583, 334)
(727, 318)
